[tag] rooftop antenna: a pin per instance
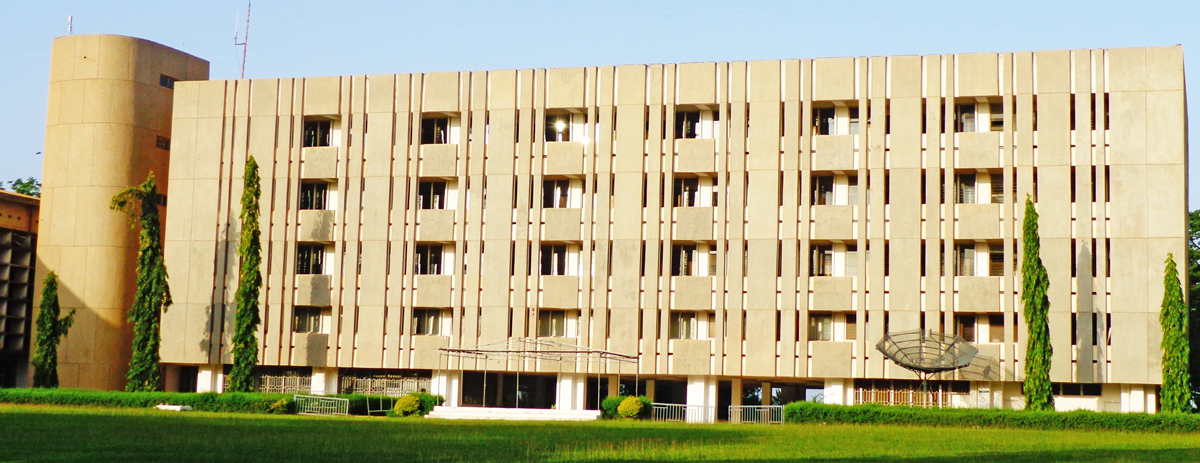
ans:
(245, 38)
(70, 25)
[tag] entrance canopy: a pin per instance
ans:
(537, 349)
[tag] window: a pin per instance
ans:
(820, 326)
(310, 259)
(162, 143)
(554, 260)
(851, 326)
(435, 130)
(996, 328)
(166, 81)
(306, 319)
(823, 190)
(997, 188)
(964, 260)
(427, 321)
(824, 121)
(1077, 389)
(312, 196)
(429, 259)
(431, 195)
(996, 260)
(965, 187)
(556, 194)
(853, 121)
(687, 192)
(964, 117)
(317, 132)
(997, 116)
(687, 124)
(964, 326)
(822, 260)
(684, 260)
(552, 323)
(683, 325)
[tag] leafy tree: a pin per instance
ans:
(1035, 285)
(1174, 319)
(1193, 291)
(245, 342)
(153, 295)
(50, 330)
(27, 186)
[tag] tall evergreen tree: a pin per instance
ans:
(153, 295)
(1175, 396)
(1193, 292)
(50, 330)
(1035, 286)
(245, 342)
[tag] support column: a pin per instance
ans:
(702, 391)
(835, 392)
(324, 381)
(447, 383)
(766, 393)
(211, 378)
(735, 391)
(650, 389)
(570, 391)
(614, 386)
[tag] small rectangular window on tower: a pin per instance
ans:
(317, 131)
(162, 143)
(166, 81)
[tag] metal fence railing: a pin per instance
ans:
(915, 398)
(765, 414)
(683, 413)
(393, 387)
(284, 384)
(317, 405)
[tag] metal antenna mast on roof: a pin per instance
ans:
(245, 38)
(70, 25)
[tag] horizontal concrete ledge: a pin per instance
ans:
(519, 414)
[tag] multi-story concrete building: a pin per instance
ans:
(747, 230)
(18, 241)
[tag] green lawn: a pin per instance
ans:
(51, 433)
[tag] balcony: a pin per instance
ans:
(692, 293)
(313, 290)
(833, 152)
(979, 150)
(833, 222)
(433, 290)
(978, 294)
(831, 359)
(977, 221)
(310, 349)
(693, 223)
(832, 294)
(319, 163)
(316, 226)
(564, 158)
(695, 155)
(435, 225)
(440, 160)
(691, 357)
(561, 224)
(560, 292)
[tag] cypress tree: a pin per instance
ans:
(50, 329)
(1174, 319)
(245, 342)
(1035, 285)
(153, 295)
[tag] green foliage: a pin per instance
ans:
(245, 341)
(50, 330)
(608, 406)
(1193, 291)
(153, 295)
(811, 412)
(630, 408)
(1035, 286)
(408, 405)
(428, 401)
(27, 186)
(232, 402)
(1174, 319)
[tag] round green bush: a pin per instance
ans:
(407, 406)
(630, 408)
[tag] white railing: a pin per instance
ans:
(766, 414)
(393, 387)
(317, 405)
(683, 413)
(284, 384)
(915, 398)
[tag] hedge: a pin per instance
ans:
(209, 401)
(809, 412)
(608, 406)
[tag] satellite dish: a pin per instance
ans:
(926, 352)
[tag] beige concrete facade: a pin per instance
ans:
(108, 125)
(731, 224)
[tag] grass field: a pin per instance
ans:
(50, 433)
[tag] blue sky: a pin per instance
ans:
(303, 38)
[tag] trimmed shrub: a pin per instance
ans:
(408, 405)
(428, 401)
(630, 408)
(608, 407)
(208, 401)
(809, 412)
